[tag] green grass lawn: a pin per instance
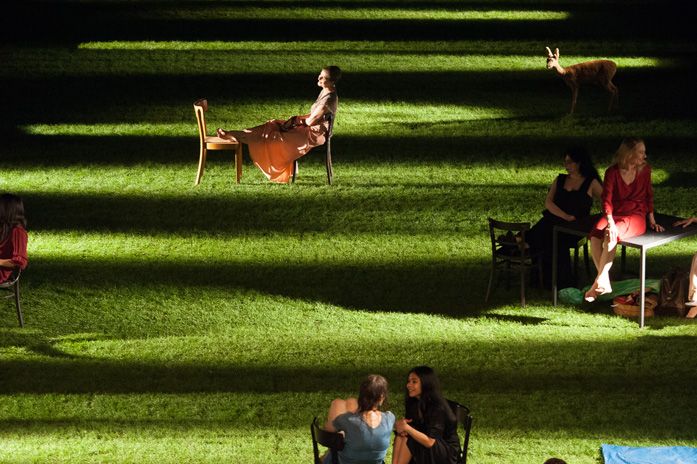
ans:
(171, 323)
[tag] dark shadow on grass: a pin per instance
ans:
(453, 288)
(71, 23)
(471, 144)
(32, 340)
(524, 320)
(242, 211)
(645, 93)
(594, 372)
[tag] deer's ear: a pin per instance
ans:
(556, 53)
(549, 52)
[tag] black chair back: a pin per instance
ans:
(332, 440)
(462, 414)
(329, 117)
(12, 285)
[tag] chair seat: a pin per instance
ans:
(216, 143)
(512, 253)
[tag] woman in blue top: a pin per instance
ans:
(367, 430)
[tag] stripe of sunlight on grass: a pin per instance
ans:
(371, 14)
(409, 120)
(471, 47)
(48, 62)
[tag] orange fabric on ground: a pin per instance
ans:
(274, 152)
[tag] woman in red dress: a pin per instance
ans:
(627, 200)
(275, 145)
(13, 235)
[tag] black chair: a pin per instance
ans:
(462, 413)
(329, 117)
(509, 251)
(582, 243)
(11, 285)
(332, 440)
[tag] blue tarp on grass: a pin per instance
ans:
(655, 455)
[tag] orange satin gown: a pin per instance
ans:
(274, 152)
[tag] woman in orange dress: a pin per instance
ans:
(275, 145)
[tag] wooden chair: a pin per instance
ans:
(213, 142)
(329, 117)
(332, 440)
(509, 250)
(462, 413)
(11, 285)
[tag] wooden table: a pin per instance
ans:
(643, 243)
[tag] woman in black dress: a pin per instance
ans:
(428, 433)
(570, 197)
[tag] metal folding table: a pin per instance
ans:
(643, 243)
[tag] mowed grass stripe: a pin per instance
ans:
(90, 62)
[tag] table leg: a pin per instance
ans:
(642, 287)
(554, 265)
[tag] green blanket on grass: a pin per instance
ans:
(574, 296)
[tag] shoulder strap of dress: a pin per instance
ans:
(586, 184)
(561, 178)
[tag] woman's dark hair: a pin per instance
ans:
(11, 214)
(431, 397)
(372, 393)
(580, 156)
(334, 73)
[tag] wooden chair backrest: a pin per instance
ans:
(200, 108)
(511, 227)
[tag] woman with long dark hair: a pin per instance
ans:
(570, 197)
(428, 433)
(367, 429)
(13, 235)
(275, 145)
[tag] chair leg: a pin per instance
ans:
(586, 260)
(20, 317)
(522, 285)
(575, 271)
(328, 162)
(295, 171)
(238, 162)
(201, 165)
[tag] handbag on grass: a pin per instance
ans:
(673, 294)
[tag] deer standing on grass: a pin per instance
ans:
(598, 72)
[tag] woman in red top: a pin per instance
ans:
(13, 235)
(627, 199)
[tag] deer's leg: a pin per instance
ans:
(574, 96)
